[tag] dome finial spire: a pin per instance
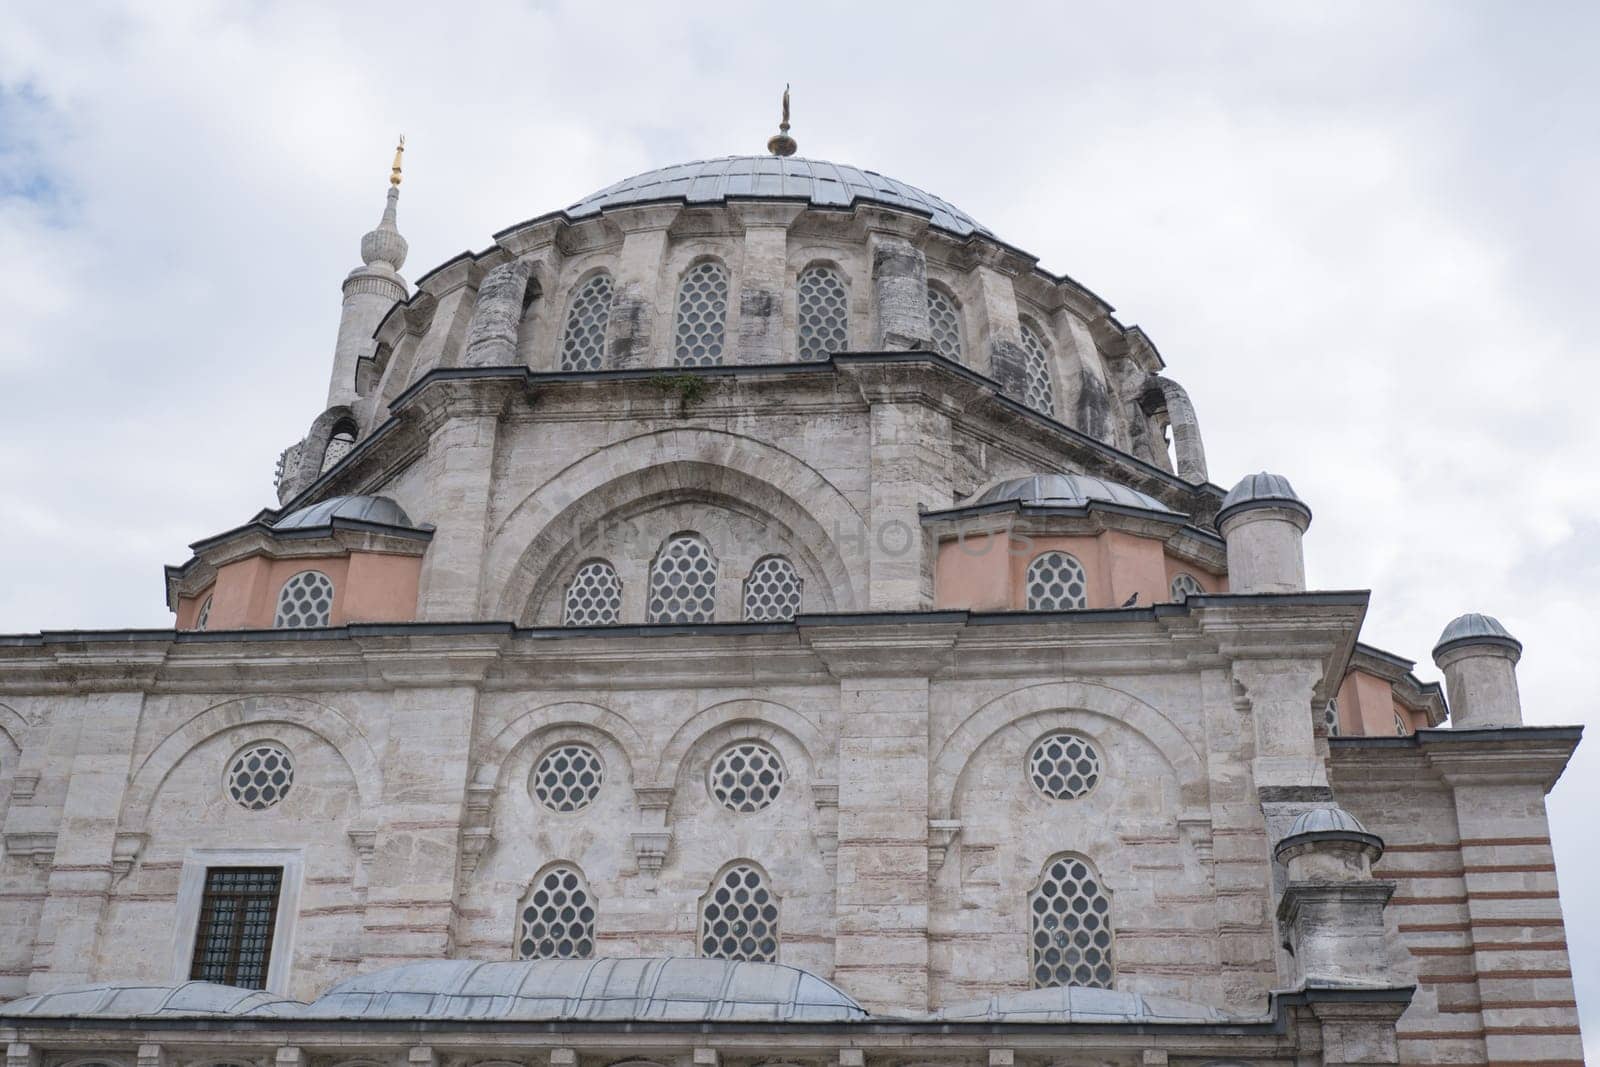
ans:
(780, 143)
(394, 170)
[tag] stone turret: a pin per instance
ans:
(1331, 914)
(369, 292)
(1479, 660)
(1263, 519)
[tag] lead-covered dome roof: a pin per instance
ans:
(376, 509)
(814, 181)
(1475, 629)
(153, 999)
(1068, 491)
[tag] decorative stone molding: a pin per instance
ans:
(40, 848)
(22, 1054)
(826, 797)
(23, 785)
(125, 850)
(941, 835)
(653, 839)
(476, 842)
(1196, 829)
(364, 842)
(152, 1056)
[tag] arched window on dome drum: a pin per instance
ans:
(203, 619)
(702, 316)
(583, 342)
(944, 324)
(595, 596)
(1041, 397)
(772, 592)
(822, 313)
(683, 581)
(306, 600)
(1056, 582)
(339, 445)
(1185, 586)
(739, 916)
(1070, 940)
(555, 921)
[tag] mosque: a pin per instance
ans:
(756, 616)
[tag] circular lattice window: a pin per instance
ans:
(1330, 718)
(557, 922)
(740, 918)
(1071, 928)
(1056, 582)
(260, 776)
(747, 777)
(306, 600)
(1185, 586)
(1064, 766)
(568, 777)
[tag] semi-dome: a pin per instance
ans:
(670, 989)
(137, 1001)
(1080, 1004)
(1068, 490)
(813, 181)
(375, 509)
(1262, 489)
(1475, 629)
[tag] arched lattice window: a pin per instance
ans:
(1401, 727)
(944, 324)
(305, 600)
(1185, 586)
(772, 592)
(556, 919)
(1036, 364)
(1055, 583)
(203, 619)
(339, 445)
(739, 917)
(1330, 717)
(822, 306)
(583, 342)
(683, 581)
(1071, 941)
(702, 315)
(595, 596)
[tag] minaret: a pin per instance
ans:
(369, 292)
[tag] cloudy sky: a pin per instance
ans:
(1361, 235)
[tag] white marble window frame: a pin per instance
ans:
(191, 892)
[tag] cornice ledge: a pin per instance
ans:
(1510, 755)
(919, 649)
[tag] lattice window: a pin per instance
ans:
(568, 777)
(595, 596)
(944, 323)
(1072, 933)
(556, 921)
(339, 446)
(238, 912)
(702, 315)
(772, 592)
(260, 776)
(683, 582)
(1055, 583)
(1185, 586)
(1036, 364)
(306, 600)
(583, 344)
(739, 918)
(1064, 766)
(204, 616)
(822, 304)
(747, 777)
(1401, 727)
(1330, 718)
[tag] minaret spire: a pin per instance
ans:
(780, 143)
(384, 246)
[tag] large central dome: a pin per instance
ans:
(816, 181)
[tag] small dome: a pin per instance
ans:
(1262, 490)
(655, 990)
(1069, 491)
(130, 1001)
(814, 181)
(375, 509)
(1080, 1004)
(1323, 820)
(1473, 629)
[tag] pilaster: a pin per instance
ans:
(632, 338)
(763, 280)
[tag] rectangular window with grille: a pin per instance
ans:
(233, 940)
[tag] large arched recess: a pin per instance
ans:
(691, 463)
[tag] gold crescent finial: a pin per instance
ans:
(781, 144)
(394, 171)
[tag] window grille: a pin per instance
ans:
(1400, 726)
(306, 600)
(238, 913)
(739, 920)
(1036, 363)
(1072, 933)
(823, 313)
(583, 344)
(1055, 583)
(1330, 717)
(772, 592)
(260, 776)
(944, 323)
(1185, 586)
(747, 777)
(339, 446)
(204, 616)
(595, 596)
(568, 777)
(1064, 766)
(702, 316)
(683, 582)
(556, 922)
